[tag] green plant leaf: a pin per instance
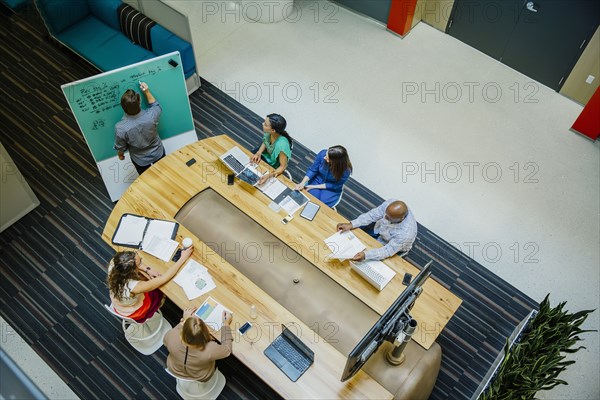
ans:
(536, 361)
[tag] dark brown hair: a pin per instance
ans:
(130, 101)
(195, 333)
(278, 123)
(124, 269)
(339, 161)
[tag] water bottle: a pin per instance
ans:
(253, 312)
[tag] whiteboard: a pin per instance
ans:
(95, 103)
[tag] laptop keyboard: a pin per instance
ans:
(294, 357)
(233, 163)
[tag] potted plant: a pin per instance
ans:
(535, 361)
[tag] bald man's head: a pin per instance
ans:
(396, 212)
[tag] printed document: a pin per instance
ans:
(344, 245)
(211, 312)
(194, 279)
(160, 247)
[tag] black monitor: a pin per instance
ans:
(391, 323)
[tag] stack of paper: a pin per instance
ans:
(344, 245)
(159, 247)
(194, 279)
(211, 312)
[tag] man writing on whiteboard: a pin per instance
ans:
(137, 130)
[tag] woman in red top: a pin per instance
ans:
(133, 295)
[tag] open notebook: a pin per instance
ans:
(138, 232)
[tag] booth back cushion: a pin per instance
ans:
(163, 42)
(106, 11)
(60, 14)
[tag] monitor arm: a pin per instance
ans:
(396, 355)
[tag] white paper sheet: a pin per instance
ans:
(272, 188)
(344, 245)
(194, 279)
(160, 247)
(131, 230)
(162, 229)
(211, 312)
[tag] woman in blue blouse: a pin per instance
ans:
(326, 177)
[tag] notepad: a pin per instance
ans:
(136, 231)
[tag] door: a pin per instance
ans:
(541, 38)
(484, 24)
(549, 37)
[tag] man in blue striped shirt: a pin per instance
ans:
(137, 130)
(394, 226)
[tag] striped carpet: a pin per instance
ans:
(53, 260)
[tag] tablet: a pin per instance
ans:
(310, 210)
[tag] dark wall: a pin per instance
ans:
(378, 9)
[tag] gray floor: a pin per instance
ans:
(482, 155)
(32, 365)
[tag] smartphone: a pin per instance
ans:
(230, 179)
(177, 255)
(407, 278)
(244, 328)
(310, 210)
(190, 162)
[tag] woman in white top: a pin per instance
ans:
(132, 294)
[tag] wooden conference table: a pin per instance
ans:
(166, 187)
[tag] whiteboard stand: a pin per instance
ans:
(117, 174)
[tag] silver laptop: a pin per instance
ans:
(239, 163)
(235, 159)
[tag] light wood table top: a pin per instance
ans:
(166, 187)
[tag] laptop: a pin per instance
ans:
(239, 163)
(290, 355)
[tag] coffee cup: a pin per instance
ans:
(186, 243)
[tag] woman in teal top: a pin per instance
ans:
(276, 148)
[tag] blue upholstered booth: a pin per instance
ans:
(15, 5)
(92, 29)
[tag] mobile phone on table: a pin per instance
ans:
(244, 328)
(407, 278)
(177, 255)
(310, 210)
